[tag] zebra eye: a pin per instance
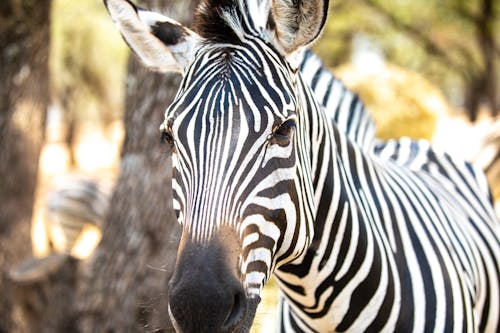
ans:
(285, 129)
(166, 137)
(166, 132)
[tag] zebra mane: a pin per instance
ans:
(228, 21)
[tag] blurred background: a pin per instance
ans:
(79, 132)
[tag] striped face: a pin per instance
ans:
(241, 149)
(235, 129)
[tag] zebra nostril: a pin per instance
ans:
(237, 313)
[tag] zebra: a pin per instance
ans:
(396, 239)
(72, 203)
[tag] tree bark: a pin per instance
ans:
(24, 96)
(124, 285)
(486, 41)
(43, 290)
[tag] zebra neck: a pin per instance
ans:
(344, 240)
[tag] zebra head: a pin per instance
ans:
(241, 148)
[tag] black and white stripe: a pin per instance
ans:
(73, 202)
(402, 239)
(274, 174)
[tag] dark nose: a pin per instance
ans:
(205, 294)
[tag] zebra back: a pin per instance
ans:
(418, 156)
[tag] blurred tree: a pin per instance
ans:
(86, 81)
(124, 288)
(24, 95)
(455, 43)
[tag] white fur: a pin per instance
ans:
(297, 28)
(135, 28)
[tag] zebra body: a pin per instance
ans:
(420, 224)
(395, 238)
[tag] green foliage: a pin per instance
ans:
(88, 60)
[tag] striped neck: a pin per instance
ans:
(336, 201)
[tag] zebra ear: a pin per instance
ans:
(298, 23)
(161, 43)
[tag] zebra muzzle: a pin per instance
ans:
(205, 292)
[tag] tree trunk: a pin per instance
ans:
(486, 38)
(44, 291)
(481, 85)
(124, 287)
(24, 94)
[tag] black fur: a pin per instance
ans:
(209, 24)
(169, 33)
